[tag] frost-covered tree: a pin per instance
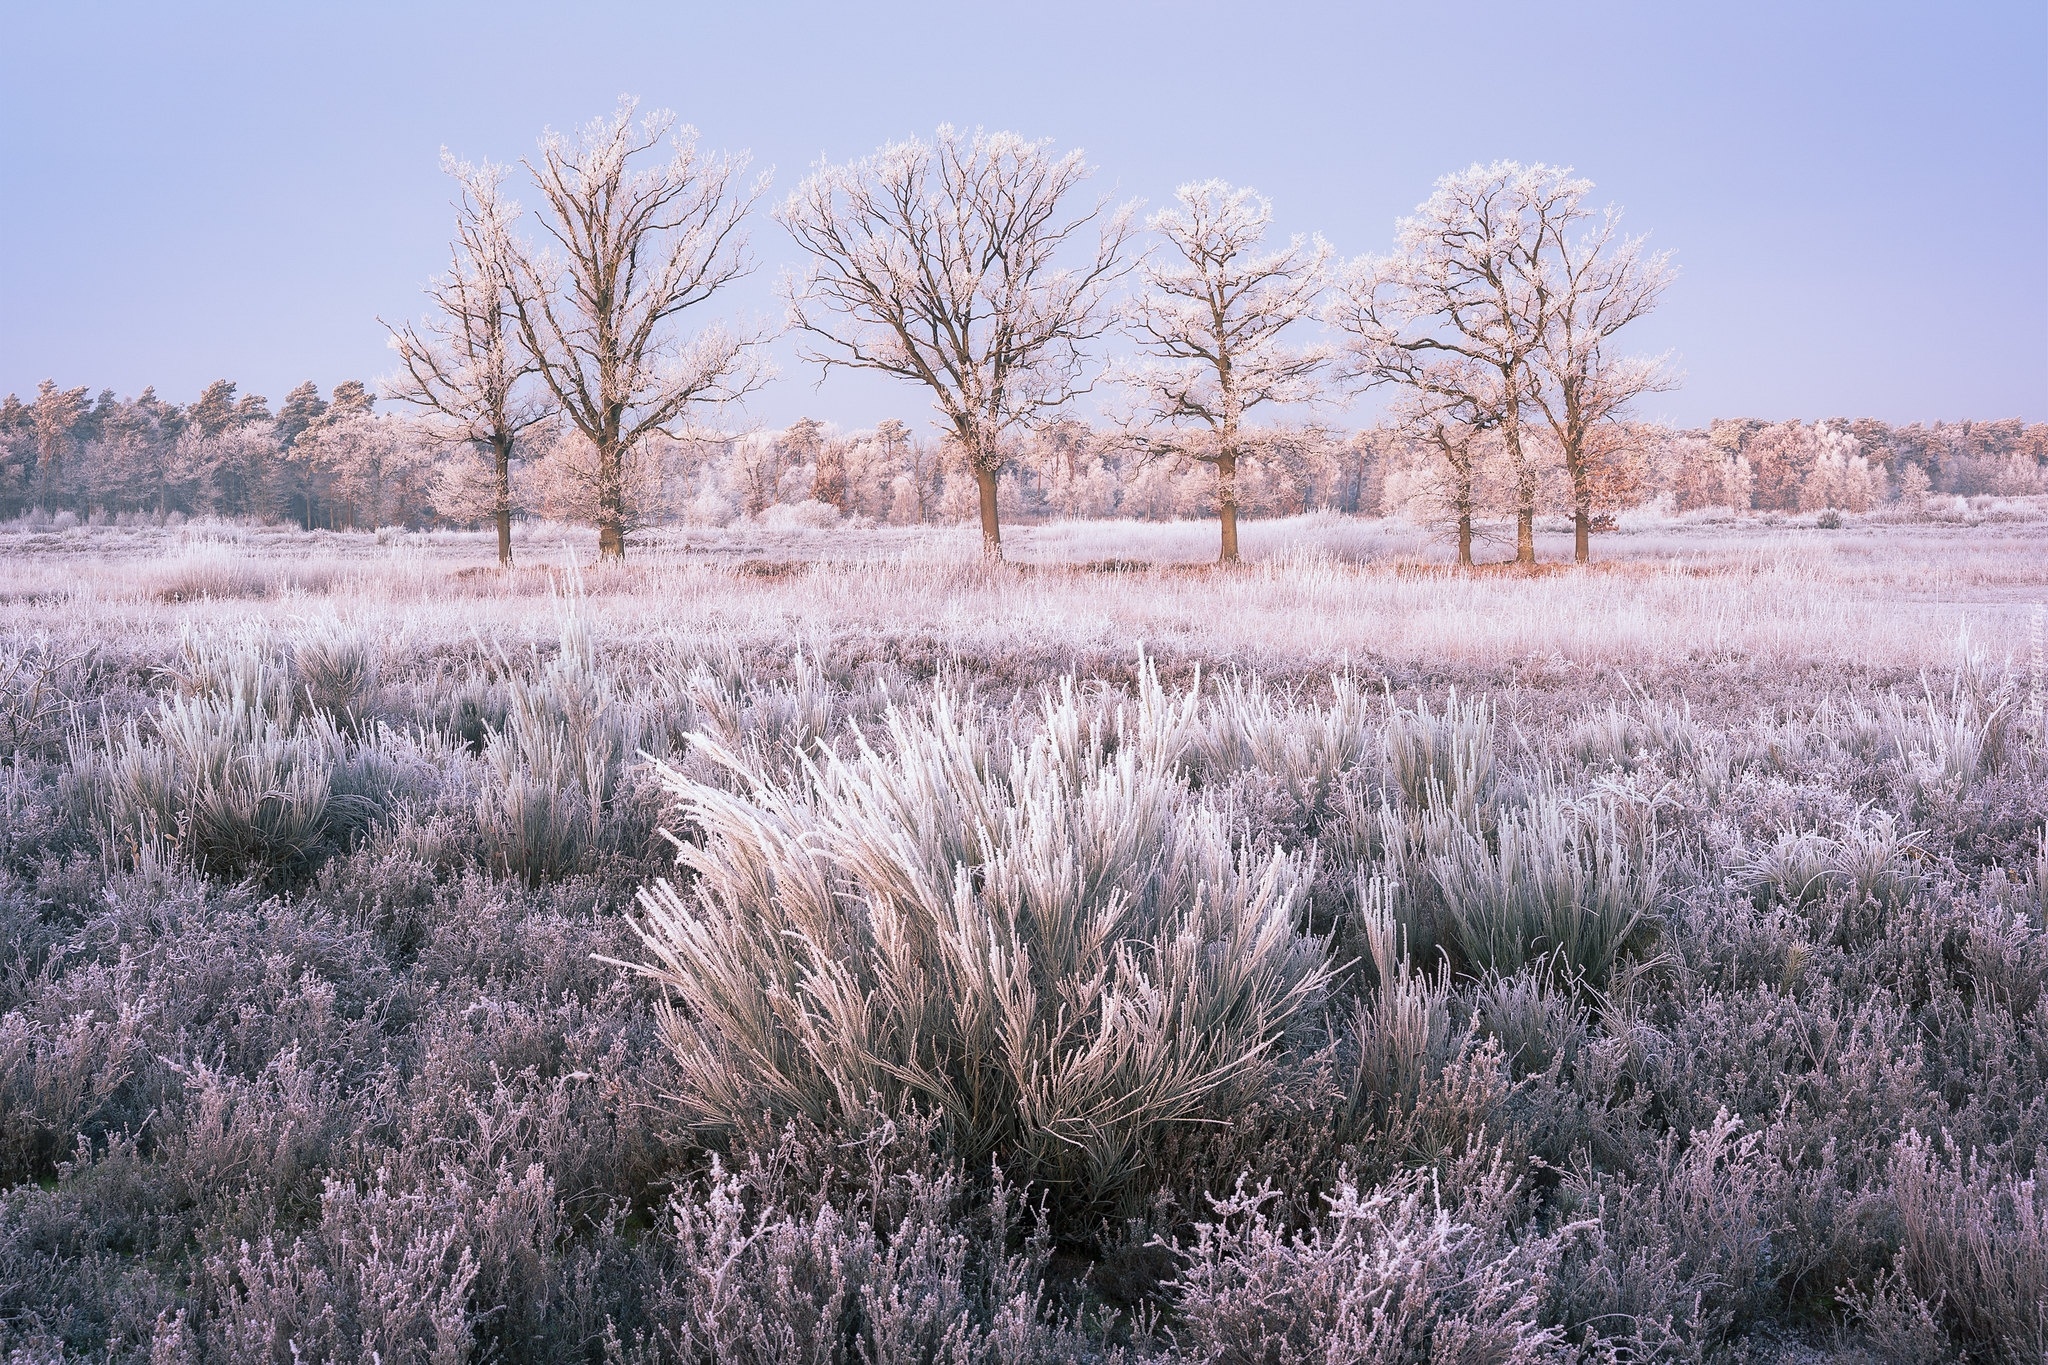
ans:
(1841, 478)
(214, 410)
(920, 473)
(299, 487)
(1468, 279)
(54, 414)
(17, 450)
(807, 447)
(464, 365)
(1597, 283)
(374, 467)
(630, 248)
(1450, 429)
(1211, 319)
(301, 408)
(961, 264)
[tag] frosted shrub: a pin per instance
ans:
(39, 686)
(318, 1297)
(919, 1274)
(1683, 1256)
(1974, 1244)
(58, 1077)
(1390, 1276)
(1054, 948)
(2035, 880)
(808, 515)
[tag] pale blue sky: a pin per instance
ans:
(1857, 193)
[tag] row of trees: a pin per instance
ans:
(320, 462)
(974, 267)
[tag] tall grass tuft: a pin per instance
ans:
(231, 781)
(1306, 748)
(1050, 946)
(336, 669)
(1442, 759)
(1555, 885)
(555, 770)
(1402, 1030)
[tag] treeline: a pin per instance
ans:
(338, 463)
(319, 462)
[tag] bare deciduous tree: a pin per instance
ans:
(630, 249)
(1211, 318)
(1467, 278)
(1596, 284)
(464, 364)
(957, 264)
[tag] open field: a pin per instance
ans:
(1101, 956)
(1322, 592)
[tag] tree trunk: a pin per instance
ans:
(1582, 535)
(1464, 540)
(991, 526)
(502, 450)
(1525, 479)
(611, 505)
(1226, 505)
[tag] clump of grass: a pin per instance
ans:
(232, 783)
(1870, 862)
(1403, 1028)
(1053, 947)
(556, 769)
(1442, 760)
(1946, 745)
(1306, 748)
(208, 571)
(236, 771)
(336, 668)
(1552, 884)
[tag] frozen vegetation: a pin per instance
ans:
(1099, 956)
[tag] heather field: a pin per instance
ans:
(825, 945)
